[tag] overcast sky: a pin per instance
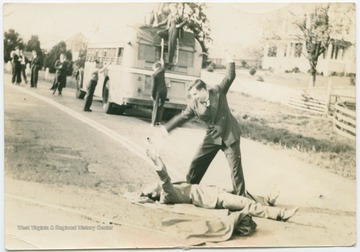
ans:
(56, 22)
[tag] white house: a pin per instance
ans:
(76, 43)
(285, 55)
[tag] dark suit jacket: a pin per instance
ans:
(158, 83)
(61, 71)
(16, 62)
(35, 64)
(222, 125)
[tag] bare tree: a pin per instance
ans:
(315, 30)
(324, 24)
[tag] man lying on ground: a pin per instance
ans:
(210, 197)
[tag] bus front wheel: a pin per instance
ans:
(80, 94)
(170, 113)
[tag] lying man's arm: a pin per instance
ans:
(160, 168)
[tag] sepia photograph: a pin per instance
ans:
(179, 125)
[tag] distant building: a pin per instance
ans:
(288, 50)
(75, 44)
(242, 57)
(286, 55)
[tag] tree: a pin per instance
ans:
(69, 57)
(342, 21)
(33, 44)
(198, 23)
(11, 40)
(315, 30)
(80, 62)
(195, 13)
(54, 55)
(322, 25)
(316, 25)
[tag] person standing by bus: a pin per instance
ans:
(35, 67)
(61, 67)
(223, 132)
(92, 84)
(158, 92)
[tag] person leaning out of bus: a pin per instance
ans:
(99, 68)
(158, 92)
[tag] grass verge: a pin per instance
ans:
(337, 157)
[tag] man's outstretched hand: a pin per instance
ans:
(153, 154)
(159, 137)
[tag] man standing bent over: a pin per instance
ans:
(223, 130)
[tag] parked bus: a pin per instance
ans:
(127, 79)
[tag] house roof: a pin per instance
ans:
(77, 37)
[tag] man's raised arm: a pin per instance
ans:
(230, 74)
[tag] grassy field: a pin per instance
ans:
(294, 80)
(307, 136)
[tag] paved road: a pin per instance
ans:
(101, 157)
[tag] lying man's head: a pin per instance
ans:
(152, 192)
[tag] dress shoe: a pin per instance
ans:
(272, 197)
(286, 214)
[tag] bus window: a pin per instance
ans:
(105, 54)
(88, 54)
(146, 53)
(185, 59)
(119, 55)
(120, 52)
(112, 54)
(100, 54)
(157, 53)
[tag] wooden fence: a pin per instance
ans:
(340, 106)
(344, 119)
(304, 101)
(341, 95)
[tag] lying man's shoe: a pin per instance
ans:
(286, 214)
(272, 197)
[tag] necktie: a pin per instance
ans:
(206, 103)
